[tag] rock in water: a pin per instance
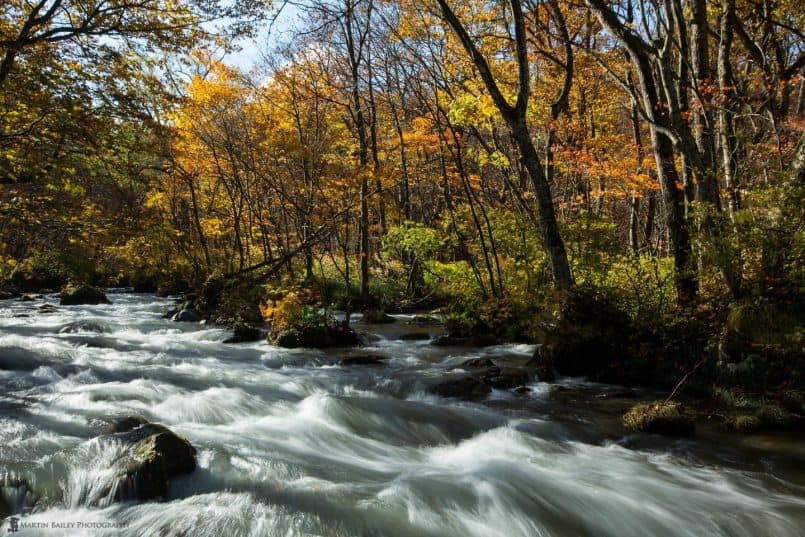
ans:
(467, 387)
(506, 378)
(474, 363)
(75, 295)
(187, 315)
(244, 333)
(154, 455)
(317, 337)
(16, 495)
(81, 326)
(125, 424)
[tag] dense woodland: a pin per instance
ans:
(626, 176)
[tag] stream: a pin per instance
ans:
(292, 444)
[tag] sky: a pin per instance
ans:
(252, 49)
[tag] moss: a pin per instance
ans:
(743, 423)
(667, 418)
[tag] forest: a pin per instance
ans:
(620, 181)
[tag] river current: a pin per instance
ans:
(292, 444)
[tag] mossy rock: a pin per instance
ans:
(377, 317)
(590, 339)
(75, 295)
(154, 455)
(667, 418)
(317, 337)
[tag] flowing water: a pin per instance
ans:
(291, 444)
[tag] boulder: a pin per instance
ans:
(377, 317)
(187, 315)
(244, 333)
(364, 359)
(590, 338)
(760, 345)
(75, 295)
(505, 378)
(30, 297)
(81, 326)
(667, 418)
(153, 456)
(466, 387)
(541, 366)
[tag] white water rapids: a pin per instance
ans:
(291, 444)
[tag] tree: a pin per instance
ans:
(515, 117)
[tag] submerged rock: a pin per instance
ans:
(16, 495)
(81, 326)
(75, 295)
(452, 341)
(364, 359)
(414, 336)
(154, 455)
(668, 418)
(468, 387)
(48, 308)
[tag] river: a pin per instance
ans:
(292, 444)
